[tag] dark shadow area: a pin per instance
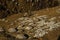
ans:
(27, 36)
(58, 38)
(8, 8)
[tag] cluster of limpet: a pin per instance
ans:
(33, 27)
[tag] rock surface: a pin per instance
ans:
(50, 16)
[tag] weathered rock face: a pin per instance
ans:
(8, 7)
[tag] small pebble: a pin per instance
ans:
(19, 36)
(3, 19)
(11, 30)
(28, 28)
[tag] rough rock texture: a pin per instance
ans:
(8, 22)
